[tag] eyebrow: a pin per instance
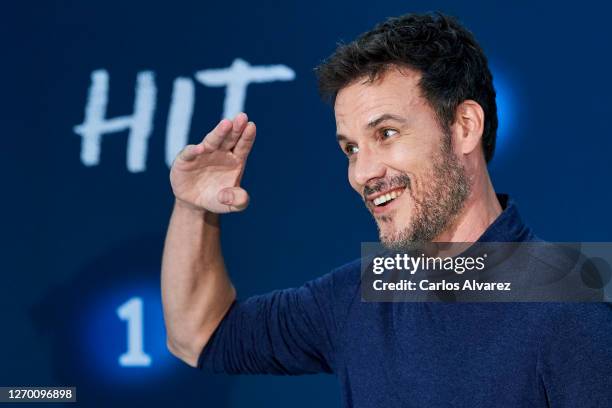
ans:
(375, 122)
(384, 117)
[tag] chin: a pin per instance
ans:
(393, 237)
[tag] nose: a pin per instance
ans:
(367, 166)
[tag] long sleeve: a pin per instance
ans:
(287, 332)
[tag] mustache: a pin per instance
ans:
(400, 180)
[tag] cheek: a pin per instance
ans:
(412, 159)
(414, 152)
(404, 158)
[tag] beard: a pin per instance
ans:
(441, 200)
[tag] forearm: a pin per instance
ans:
(196, 290)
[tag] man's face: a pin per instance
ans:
(400, 160)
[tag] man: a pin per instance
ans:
(416, 117)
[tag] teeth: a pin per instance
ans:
(387, 197)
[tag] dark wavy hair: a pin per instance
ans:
(453, 66)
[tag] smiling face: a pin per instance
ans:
(400, 160)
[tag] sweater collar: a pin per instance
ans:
(508, 226)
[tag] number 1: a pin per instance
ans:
(135, 356)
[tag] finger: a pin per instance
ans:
(190, 152)
(214, 139)
(235, 197)
(230, 140)
(245, 143)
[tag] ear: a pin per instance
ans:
(468, 126)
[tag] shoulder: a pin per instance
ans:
(348, 275)
(337, 290)
(341, 283)
(576, 330)
(576, 345)
(576, 315)
(583, 316)
(565, 271)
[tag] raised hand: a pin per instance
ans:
(206, 176)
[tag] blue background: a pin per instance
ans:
(80, 241)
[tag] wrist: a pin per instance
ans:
(194, 211)
(188, 207)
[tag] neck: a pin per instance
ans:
(479, 211)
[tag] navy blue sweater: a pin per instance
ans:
(424, 354)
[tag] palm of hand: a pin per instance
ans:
(204, 175)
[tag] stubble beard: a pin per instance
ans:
(442, 200)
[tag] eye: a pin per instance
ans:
(387, 133)
(350, 149)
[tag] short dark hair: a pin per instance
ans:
(452, 64)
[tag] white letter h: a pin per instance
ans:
(140, 123)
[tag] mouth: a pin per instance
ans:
(382, 202)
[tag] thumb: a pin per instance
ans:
(235, 197)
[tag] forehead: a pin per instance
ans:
(395, 91)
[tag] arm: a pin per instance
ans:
(284, 332)
(196, 289)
